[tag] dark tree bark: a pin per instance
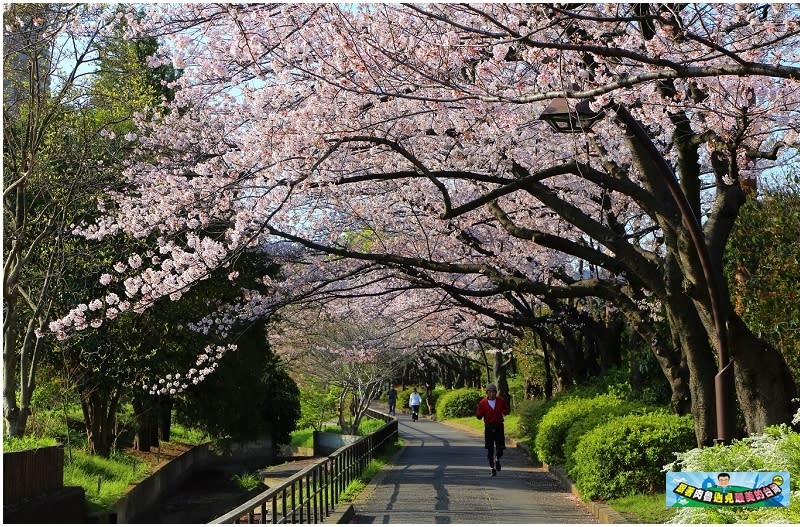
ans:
(764, 386)
(146, 423)
(499, 371)
(688, 332)
(548, 372)
(99, 412)
(164, 417)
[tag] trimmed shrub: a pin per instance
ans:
(531, 412)
(583, 424)
(459, 403)
(624, 456)
(553, 428)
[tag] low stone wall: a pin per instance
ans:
(326, 443)
(140, 499)
(139, 503)
(295, 451)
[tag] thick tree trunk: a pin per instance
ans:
(146, 425)
(688, 330)
(562, 354)
(340, 410)
(500, 377)
(764, 384)
(610, 346)
(672, 363)
(19, 370)
(99, 412)
(15, 417)
(548, 374)
(165, 418)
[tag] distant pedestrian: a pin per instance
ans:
(491, 409)
(414, 401)
(392, 398)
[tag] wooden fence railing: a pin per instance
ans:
(313, 493)
(32, 472)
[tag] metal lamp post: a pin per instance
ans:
(563, 120)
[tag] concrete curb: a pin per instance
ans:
(344, 515)
(601, 511)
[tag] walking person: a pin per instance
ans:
(414, 400)
(491, 409)
(391, 397)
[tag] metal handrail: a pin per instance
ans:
(311, 495)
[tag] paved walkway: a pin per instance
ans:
(442, 476)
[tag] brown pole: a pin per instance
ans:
(723, 380)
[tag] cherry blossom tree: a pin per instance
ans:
(407, 138)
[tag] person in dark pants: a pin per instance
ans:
(491, 409)
(391, 397)
(414, 401)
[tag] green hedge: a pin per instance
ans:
(531, 412)
(625, 456)
(459, 403)
(552, 431)
(582, 425)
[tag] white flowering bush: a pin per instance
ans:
(777, 449)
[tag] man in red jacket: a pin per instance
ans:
(491, 409)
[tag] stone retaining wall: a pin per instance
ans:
(326, 443)
(142, 499)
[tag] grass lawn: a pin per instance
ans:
(643, 508)
(355, 487)
(104, 480)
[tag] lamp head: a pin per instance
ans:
(564, 120)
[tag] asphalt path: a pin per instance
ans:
(443, 476)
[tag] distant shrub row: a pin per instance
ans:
(444, 403)
(459, 403)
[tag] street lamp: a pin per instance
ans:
(562, 120)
